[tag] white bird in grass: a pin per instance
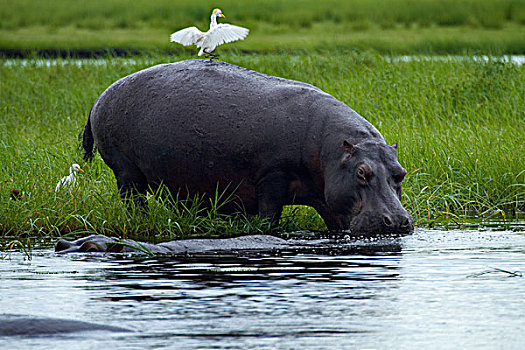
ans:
(68, 182)
(217, 35)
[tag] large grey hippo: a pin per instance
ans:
(195, 125)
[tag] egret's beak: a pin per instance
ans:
(80, 170)
(221, 15)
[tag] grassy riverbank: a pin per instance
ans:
(387, 26)
(460, 126)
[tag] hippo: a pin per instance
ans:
(201, 127)
(23, 325)
(300, 242)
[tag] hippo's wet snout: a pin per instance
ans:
(401, 222)
(387, 221)
(369, 223)
(406, 222)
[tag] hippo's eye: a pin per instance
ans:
(364, 172)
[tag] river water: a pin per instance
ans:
(81, 62)
(459, 289)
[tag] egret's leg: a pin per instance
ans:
(210, 55)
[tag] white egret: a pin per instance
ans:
(68, 182)
(217, 34)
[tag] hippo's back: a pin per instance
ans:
(198, 98)
(198, 122)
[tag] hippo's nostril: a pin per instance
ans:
(405, 222)
(387, 220)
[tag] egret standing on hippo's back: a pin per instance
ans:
(218, 34)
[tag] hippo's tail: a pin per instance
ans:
(87, 141)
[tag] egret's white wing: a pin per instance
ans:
(67, 182)
(186, 36)
(59, 186)
(222, 33)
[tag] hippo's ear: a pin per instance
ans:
(349, 148)
(394, 146)
(349, 151)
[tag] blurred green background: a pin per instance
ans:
(387, 26)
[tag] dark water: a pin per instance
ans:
(434, 289)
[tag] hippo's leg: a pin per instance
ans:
(272, 195)
(132, 184)
(333, 222)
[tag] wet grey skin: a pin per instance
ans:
(237, 246)
(100, 243)
(194, 124)
(22, 325)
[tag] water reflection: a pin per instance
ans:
(273, 283)
(230, 273)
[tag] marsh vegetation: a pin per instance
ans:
(460, 123)
(460, 126)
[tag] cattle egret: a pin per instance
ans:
(217, 35)
(68, 182)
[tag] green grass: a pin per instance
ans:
(460, 126)
(389, 26)
(320, 38)
(97, 14)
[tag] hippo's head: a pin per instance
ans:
(363, 191)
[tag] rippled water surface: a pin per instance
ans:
(434, 289)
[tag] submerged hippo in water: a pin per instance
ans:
(195, 125)
(22, 325)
